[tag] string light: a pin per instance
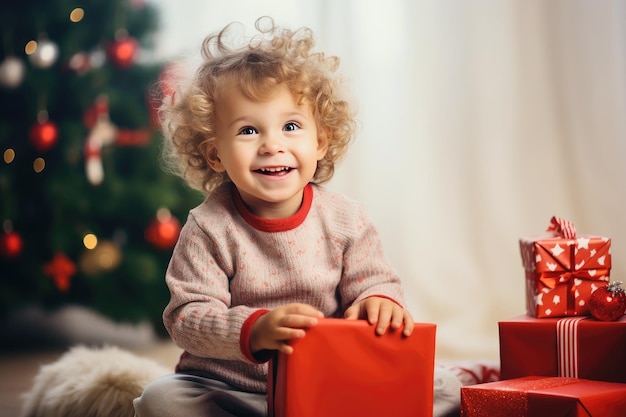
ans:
(30, 47)
(77, 15)
(39, 165)
(9, 156)
(90, 241)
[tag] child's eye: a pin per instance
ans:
(248, 130)
(291, 126)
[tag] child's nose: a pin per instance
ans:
(271, 144)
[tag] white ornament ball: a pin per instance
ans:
(97, 58)
(12, 71)
(46, 54)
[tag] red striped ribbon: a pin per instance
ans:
(563, 227)
(567, 346)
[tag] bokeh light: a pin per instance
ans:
(77, 15)
(90, 241)
(39, 165)
(163, 214)
(30, 47)
(9, 156)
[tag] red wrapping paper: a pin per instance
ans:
(579, 347)
(342, 368)
(544, 397)
(562, 273)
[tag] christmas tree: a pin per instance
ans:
(88, 215)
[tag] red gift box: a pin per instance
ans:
(562, 272)
(544, 397)
(578, 347)
(342, 368)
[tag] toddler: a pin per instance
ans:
(270, 250)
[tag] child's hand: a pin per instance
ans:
(272, 331)
(383, 313)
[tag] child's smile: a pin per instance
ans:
(278, 171)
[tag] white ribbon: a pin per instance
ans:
(567, 346)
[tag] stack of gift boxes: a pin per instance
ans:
(560, 358)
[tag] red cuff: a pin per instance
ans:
(244, 339)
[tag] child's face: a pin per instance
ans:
(268, 148)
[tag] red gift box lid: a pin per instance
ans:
(549, 253)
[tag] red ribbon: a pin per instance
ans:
(551, 280)
(562, 227)
(563, 278)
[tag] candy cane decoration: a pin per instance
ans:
(102, 132)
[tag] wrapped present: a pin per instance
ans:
(563, 269)
(544, 397)
(342, 368)
(578, 347)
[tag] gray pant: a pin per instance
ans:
(184, 395)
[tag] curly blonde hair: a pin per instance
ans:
(274, 56)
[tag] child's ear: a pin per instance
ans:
(213, 159)
(322, 145)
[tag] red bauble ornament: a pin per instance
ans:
(79, 62)
(162, 232)
(43, 136)
(608, 303)
(10, 245)
(122, 51)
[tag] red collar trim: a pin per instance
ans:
(275, 225)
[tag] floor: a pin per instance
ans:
(17, 371)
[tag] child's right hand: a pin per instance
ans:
(273, 330)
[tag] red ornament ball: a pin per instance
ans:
(10, 245)
(162, 232)
(79, 62)
(608, 303)
(43, 136)
(122, 52)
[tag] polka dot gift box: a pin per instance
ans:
(563, 269)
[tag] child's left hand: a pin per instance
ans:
(383, 313)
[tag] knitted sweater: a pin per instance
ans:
(230, 266)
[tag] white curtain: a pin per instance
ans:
(479, 120)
